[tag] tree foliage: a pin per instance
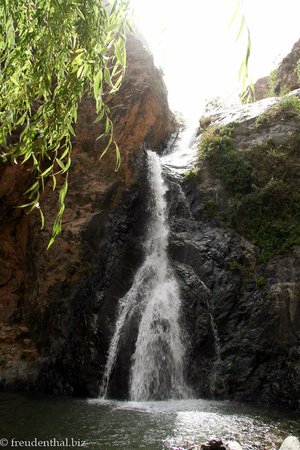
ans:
(52, 52)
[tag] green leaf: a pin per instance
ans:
(22, 118)
(80, 71)
(242, 68)
(64, 154)
(42, 218)
(14, 80)
(97, 83)
(106, 148)
(47, 171)
(242, 25)
(118, 158)
(61, 164)
(33, 188)
(120, 55)
(107, 76)
(234, 16)
(114, 7)
(27, 204)
(100, 116)
(71, 129)
(77, 60)
(63, 191)
(117, 84)
(54, 182)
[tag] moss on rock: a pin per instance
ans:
(263, 183)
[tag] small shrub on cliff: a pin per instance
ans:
(205, 122)
(210, 208)
(269, 217)
(192, 175)
(286, 108)
(215, 141)
(269, 161)
(236, 266)
(273, 84)
(225, 161)
(260, 281)
(264, 184)
(298, 70)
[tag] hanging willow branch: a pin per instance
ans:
(238, 15)
(52, 52)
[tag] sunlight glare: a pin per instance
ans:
(200, 56)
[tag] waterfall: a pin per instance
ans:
(157, 370)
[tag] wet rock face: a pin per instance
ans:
(255, 305)
(265, 333)
(201, 254)
(243, 337)
(39, 289)
(79, 364)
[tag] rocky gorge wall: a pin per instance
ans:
(37, 286)
(249, 281)
(240, 298)
(255, 354)
(241, 314)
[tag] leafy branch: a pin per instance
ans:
(52, 52)
(238, 15)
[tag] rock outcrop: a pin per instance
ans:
(284, 78)
(241, 301)
(37, 286)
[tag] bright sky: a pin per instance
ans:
(200, 57)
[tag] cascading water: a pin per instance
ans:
(157, 370)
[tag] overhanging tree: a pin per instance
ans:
(52, 52)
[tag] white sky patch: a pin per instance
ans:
(200, 57)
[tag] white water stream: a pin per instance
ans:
(157, 370)
(183, 154)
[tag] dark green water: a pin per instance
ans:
(109, 425)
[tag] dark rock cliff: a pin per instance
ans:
(244, 337)
(242, 299)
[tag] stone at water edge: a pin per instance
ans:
(213, 444)
(234, 446)
(217, 444)
(290, 443)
